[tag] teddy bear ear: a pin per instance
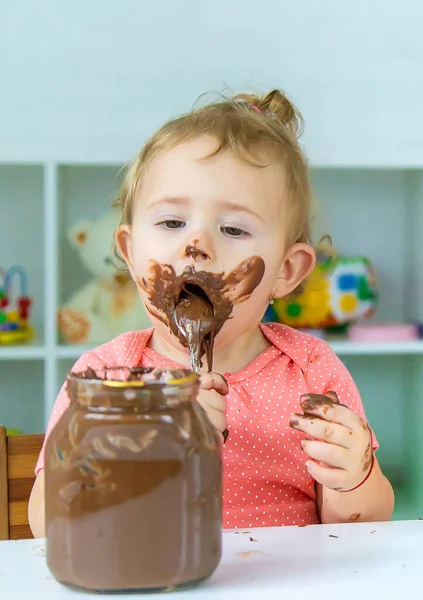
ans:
(78, 233)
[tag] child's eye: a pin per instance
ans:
(233, 231)
(172, 224)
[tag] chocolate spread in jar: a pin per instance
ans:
(133, 483)
(196, 304)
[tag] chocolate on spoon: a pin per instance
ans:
(194, 316)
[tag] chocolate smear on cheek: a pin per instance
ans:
(196, 304)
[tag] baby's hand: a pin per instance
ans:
(213, 388)
(341, 452)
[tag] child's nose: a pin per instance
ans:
(200, 249)
(196, 253)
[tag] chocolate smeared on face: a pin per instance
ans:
(194, 252)
(196, 304)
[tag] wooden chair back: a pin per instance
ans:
(18, 457)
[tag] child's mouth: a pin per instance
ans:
(190, 291)
(196, 304)
(194, 316)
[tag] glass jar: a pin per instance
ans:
(133, 480)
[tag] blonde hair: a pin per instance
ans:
(251, 126)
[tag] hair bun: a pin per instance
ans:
(277, 105)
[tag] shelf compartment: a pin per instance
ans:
(22, 233)
(22, 395)
(84, 193)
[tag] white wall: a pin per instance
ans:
(109, 71)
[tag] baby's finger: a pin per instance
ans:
(214, 381)
(216, 417)
(213, 400)
(322, 430)
(334, 479)
(333, 396)
(333, 456)
(323, 407)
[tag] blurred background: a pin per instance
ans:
(82, 85)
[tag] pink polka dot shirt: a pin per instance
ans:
(265, 479)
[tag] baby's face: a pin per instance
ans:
(210, 214)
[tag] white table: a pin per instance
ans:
(358, 561)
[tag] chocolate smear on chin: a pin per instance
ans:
(196, 304)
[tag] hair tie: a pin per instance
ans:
(266, 113)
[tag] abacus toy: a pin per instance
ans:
(15, 326)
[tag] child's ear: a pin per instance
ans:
(78, 233)
(298, 263)
(124, 245)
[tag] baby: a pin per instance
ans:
(215, 224)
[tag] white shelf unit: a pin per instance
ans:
(375, 212)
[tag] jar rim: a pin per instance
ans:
(91, 377)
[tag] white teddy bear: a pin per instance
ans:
(109, 304)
